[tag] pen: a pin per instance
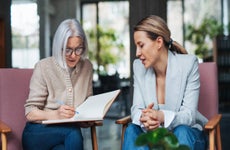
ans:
(76, 112)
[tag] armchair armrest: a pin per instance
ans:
(124, 120)
(4, 129)
(213, 122)
(98, 123)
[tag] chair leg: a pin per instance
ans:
(94, 138)
(212, 140)
(4, 141)
(218, 138)
(124, 126)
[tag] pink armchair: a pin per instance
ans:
(208, 105)
(14, 88)
(209, 102)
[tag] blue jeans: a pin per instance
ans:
(191, 137)
(52, 137)
(186, 135)
(131, 134)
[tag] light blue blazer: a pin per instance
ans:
(181, 91)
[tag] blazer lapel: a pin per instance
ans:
(150, 82)
(172, 87)
(173, 83)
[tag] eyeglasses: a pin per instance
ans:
(78, 51)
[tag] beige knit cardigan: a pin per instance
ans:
(51, 84)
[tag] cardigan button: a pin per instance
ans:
(70, 89)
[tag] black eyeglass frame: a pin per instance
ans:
(77, 51)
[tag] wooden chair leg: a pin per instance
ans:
(94, 138)
(218, 138)
(124, 126)
(212, 140)
(4, 141)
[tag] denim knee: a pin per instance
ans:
(133, 129)
(74, 139)
(131, 134)
(181, 130)
(191, 137)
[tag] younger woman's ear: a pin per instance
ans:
(160, 41)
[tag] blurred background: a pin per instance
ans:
(201, 26)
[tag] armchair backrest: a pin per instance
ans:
(208, 100)
(14, 90)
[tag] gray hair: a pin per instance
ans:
(67, 28)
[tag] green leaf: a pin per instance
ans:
(170, 141)
(198, 35)
(151, 137)
(160, 139)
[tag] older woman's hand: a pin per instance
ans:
(66, 111)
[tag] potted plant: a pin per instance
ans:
(160, 139)
(198, 35)
(107, 48)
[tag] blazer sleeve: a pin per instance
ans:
(138, 99)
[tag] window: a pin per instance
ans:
(25, 34)
(107, 27)
(175, 12)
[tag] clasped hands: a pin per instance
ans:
(151, 118)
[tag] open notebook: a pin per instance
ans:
(92, 109)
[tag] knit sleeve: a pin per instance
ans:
(38, 91)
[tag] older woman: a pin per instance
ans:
(166, 87)
(59, 84)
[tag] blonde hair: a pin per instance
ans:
(155, 26)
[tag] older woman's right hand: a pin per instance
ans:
(66, 111)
